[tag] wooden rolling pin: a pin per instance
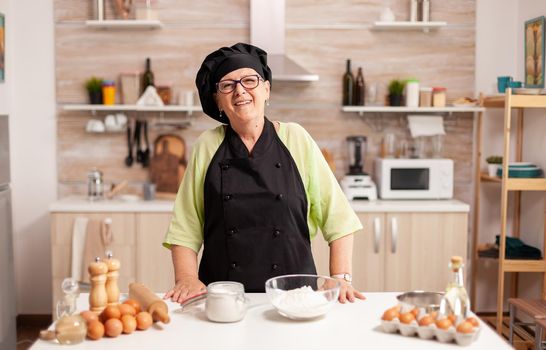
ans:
(149, 302)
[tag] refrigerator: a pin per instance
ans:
(7, 273)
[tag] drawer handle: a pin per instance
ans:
(376, 234)
(394, 234)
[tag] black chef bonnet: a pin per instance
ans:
(221, 62)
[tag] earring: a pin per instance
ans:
(221, 112)
(267, 102)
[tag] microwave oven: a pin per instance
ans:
(414, 178)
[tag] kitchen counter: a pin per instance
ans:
(81, 204)
(351, 326)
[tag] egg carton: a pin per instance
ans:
(430, 332)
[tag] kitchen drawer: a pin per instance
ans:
(123, 227)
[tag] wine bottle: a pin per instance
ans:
(147, 76)
(360, 88)
(348, 86)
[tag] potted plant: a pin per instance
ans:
(94, 89)
(396, 88)
(493, 163)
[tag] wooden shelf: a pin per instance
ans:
(527, 184)
(403, 109)
(517, 101)
(130, 108)
(407, 26)
(486, 178)
(513, 265)
(124, 24)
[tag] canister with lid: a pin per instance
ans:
(225, 302)
(439, 96)
(412, 93)
(95, 185)
(425, 97)
(108, 92)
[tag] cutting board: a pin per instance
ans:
(168, 163)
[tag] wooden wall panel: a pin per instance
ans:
(316, 37)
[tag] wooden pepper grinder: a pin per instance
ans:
(112, 288)
(97, 297)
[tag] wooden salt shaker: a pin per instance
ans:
(97, 297)
(112, 287)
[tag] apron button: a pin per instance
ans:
(225, 167)
(280, 196)
(278, 165)
(274, 266)
(276, 233)
(231, 232)
(227, 197)
(233, 265)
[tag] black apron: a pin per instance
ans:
(255, 213)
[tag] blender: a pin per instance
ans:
(357, 184)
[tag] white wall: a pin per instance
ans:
(33, 143)
(499, 51)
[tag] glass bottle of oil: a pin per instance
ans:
(455, 300)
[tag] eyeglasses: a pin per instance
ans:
(248, 82)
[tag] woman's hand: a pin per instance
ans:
(185, 288)
(348, 292)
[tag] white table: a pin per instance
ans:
(349, 326)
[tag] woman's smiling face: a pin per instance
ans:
(243, 104)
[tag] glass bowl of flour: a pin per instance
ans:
(301, 297)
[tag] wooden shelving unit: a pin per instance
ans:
(124, 24)
(516, 185)
(131, 108)
(407, 26)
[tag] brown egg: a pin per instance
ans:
(473, 321)
(134, 304)
(433, 314)
(89, 316)
(444, 323)
(95, 329)
(415, 312)
(465, 327)
(113, 327)
(407, 317)
(126, 309)
(111, 311)
(452, 318)
(426, 320)
(144, 320)
(390, 314)
(129, 323)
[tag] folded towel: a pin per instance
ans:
(424, 125)
(78, 243)
(97, 242)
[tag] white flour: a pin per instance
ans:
(302, 302)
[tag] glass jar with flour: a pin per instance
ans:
(225, 302)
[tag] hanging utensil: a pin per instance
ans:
(129, 159)
(137, 142)
(146, 152)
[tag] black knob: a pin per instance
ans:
(278, 165)
(280, 196)
(227, 197)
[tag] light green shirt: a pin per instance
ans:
(327, 210)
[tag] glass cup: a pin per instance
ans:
(388, 146)
(437, 142)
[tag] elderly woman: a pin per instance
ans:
(255, 191)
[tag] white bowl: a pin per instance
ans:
(302, 297)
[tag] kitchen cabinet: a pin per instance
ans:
(137, 239)
(402, 251)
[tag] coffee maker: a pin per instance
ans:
(357, 184)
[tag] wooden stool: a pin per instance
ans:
(533, 308)
(539, 331)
